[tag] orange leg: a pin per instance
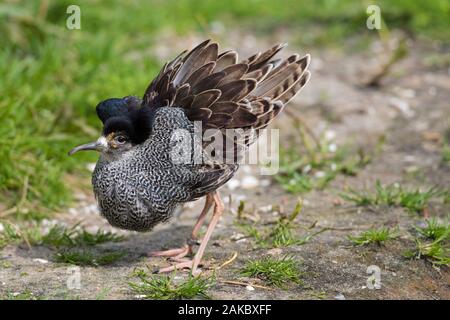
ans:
(194, 263)
(179, 253)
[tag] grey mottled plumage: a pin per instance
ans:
(143, 186)
(136, 183)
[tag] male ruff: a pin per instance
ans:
(138, 183)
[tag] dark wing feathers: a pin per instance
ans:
(223, 93)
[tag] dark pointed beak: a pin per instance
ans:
(99, 145)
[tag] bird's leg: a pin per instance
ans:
(179, 253)
(193, 264)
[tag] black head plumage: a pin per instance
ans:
(126, 115)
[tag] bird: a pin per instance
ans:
(139, 180)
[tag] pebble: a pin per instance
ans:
(265, 182)
(332, 147)
(319, 174)
(339, 296)
(2, 228)
(265, 208)
(43, 261)
(250, 288)
(402, 106)
(330, 135)
(307, 168)
(237, 236)
(275, 252)
(233, 184)
(249, 182)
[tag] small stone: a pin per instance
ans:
(339, 296)
(249, 182)
(2, 228)
(332, 147)
(334, 261)
(43, 261)
(237, 236)
(307, 168)
(265, 182)
(319, 174)
(402, 106)
(233, 184)
(275, 252)
(250, 288)
(240, 198)
(330, 135)
(265, 208)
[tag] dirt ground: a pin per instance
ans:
(411, 110)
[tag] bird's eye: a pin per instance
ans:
(121, 139)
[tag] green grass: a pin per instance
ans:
(433, 243)
(56, 237)
(53, 77)
(434, 230)
(446, 153)
(414, 201)
(25, 295)
(165, 288)
(277, 272)
(278, 234)
(373, 236)
(88, 258)
(303, 169)
(61, 236)
(437, 251)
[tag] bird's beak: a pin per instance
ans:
(100, 145)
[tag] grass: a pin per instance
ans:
(373, 236)
(71, 243)
(88, 258)
(277, 272)
(446, 153)
(25, 295)
(53, 77)
(60, 236)
(437, 251)
(414, 201)
(308, 168)
(433, 243)
(280, 234)
(56, 237)
(434, 230)
(165, 288)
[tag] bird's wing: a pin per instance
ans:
(224, 93)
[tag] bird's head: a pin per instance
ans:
(116, 139)
(125, 125)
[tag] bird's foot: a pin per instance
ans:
(175, 254)
(188, 264)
